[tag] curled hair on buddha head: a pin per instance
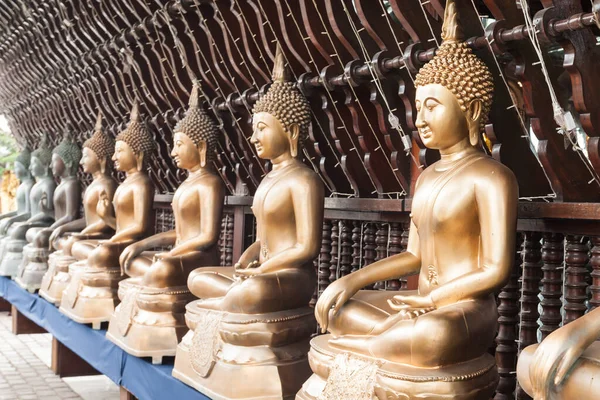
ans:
(69, 151)
(284, 101)
(455, 67)
(43, 152)
(100, 143)
(24, 157)
(136, 134)
(197, 125)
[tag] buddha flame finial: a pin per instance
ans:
(194, 96)
(98, 126)
(451, 30)
(280, 72)
(135, 112)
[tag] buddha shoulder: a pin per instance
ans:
(488, 173)
(305, 178)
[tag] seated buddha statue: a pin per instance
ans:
(95, 159)
(150, 321)
(66, 203)
(23, 211)
(42, 211)
(565, 365)
(91, 294)
(249, 331)
(431, 343)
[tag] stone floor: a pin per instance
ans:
(25, 372)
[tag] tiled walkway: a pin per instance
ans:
(25, 372)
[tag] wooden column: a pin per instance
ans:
(530, 288)
(66, 363)
(595, 263)
(23, 325)
(552, 258)
(124, 394)
(506, 341)
(575, 286)
(4, 305)
(324, 257)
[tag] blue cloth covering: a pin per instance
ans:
(138, 376)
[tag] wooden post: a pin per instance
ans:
(23, 325)
(4, 305)
(124, 394)
(239, 221)
(66, 363)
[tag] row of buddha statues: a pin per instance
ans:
(247, 331)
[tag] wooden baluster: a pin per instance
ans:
(530, 288)
(404, 244)
(335, 250)
(381, 237)
(506, 343)
(324, 257)
(221, 242)
(552, 257)
(356, 251)
(369, 247)
(229, 241)
(575, 286)
(595, 263)
(394, 247)
(345, 248)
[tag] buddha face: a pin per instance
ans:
(440, 121)
(37, 168)
(58, 165)
(124, 157)
(20, 171)
(269, 137)
(89, 161)
(185, 152)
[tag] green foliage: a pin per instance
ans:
(9, 150)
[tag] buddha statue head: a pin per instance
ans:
(134, 145)
(97, 150)
(66, 156)
(454, 91)
(195, 137)
(21, 166)
(281, 117)
(41, 159)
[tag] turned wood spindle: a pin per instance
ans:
(381, 238)
(356, 251)
(335, 250)
(394, 247)
(324, 257)
(369, 246)
(576, 257)
(345, 248)
(595, 263)
(552, 258)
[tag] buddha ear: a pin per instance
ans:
(202, 151)
(103, 162)
(140, 160)
(473, 118)
(294, 131)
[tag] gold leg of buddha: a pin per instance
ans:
(249, 332)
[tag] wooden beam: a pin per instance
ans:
(66, 363)
(23, 325)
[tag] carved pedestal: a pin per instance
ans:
(57, 277)
(12, 257)
(149, 322)
(341, 375)
(33, 267)
(581, 383)
(245, 356)
(91, 294)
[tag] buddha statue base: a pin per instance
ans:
(581, 383)
(57, 277)
(91, 294)
(33, 267)
(149, 322)
(12, 257)
(362, 378)
(245, 356)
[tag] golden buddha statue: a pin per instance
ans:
(566, 364)
(431, 343)
(95, 160)
(249, 331)
(150, 321)
(42, 211)
(23, 211)
(91, 294)
(66, 201)
(8, 192)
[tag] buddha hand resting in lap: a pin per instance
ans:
(96, 154)
(158, 283)
(461, 239)
(66, 203)
(566, 364)
(42, 212)
(271, 285)
(133, 220)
